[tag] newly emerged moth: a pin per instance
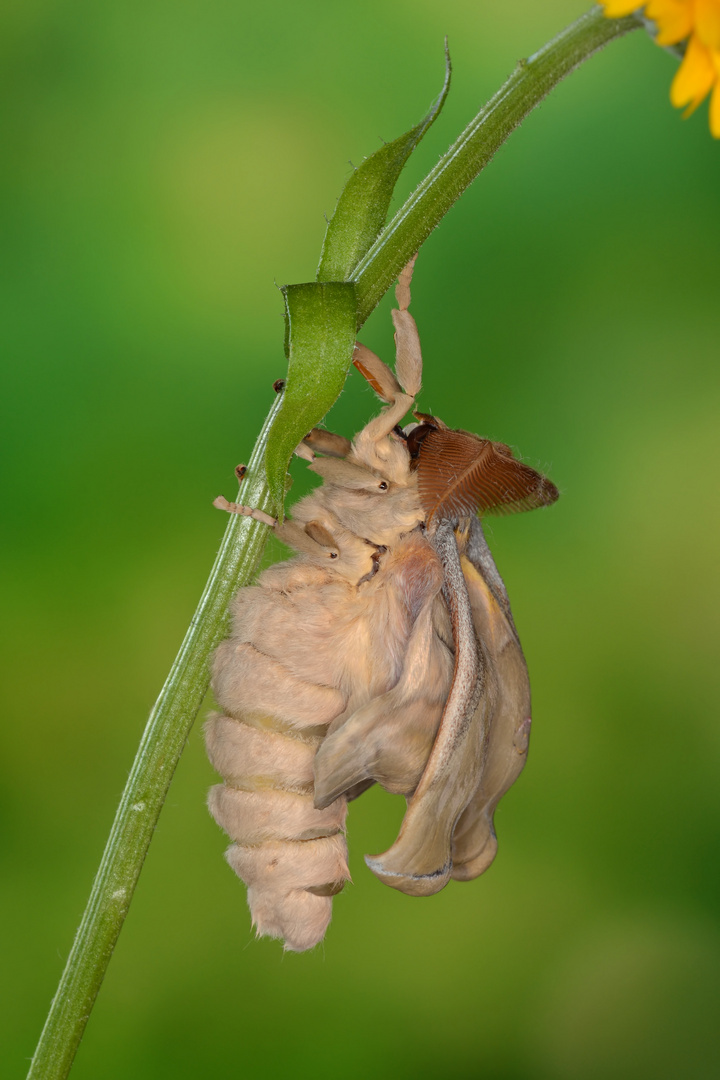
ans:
(384, 652)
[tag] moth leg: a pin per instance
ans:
(303, 451)
(402, 289)
(420, 861)
(399, 389)
(247, 511)
(377, 373)
(408, 355)
(326, 442)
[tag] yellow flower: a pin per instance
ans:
(696, 22)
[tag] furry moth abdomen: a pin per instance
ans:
(291, 855)
(385, 651)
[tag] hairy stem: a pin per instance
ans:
(532, 80)
(186, 685)
(160, 747)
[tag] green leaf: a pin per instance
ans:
(322, 324)
(363, 206)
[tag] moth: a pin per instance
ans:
(383, 652)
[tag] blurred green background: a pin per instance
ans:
(164, 166)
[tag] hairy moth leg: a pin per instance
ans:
(314, 540)
(221, 503)
(420, 860)
(321, 441)
(377, 445)
(408, 354)
(474, 840)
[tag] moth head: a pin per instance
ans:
(460, 474)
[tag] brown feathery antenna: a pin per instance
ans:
(460, 474)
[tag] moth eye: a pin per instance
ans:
(383, 485)
(333, 554)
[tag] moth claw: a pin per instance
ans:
(303, 451)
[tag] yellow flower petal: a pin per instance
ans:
(707, 22)
(715, 111)
(695, 77)
(673, 18)
(696, 22)
(615, 9)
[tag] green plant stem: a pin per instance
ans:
(162, 743)
(181, 697)
(532, 80)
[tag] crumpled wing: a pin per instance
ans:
(474, 842)
(420, 861)
(388, 739)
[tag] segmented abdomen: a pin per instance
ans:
(292, 857)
